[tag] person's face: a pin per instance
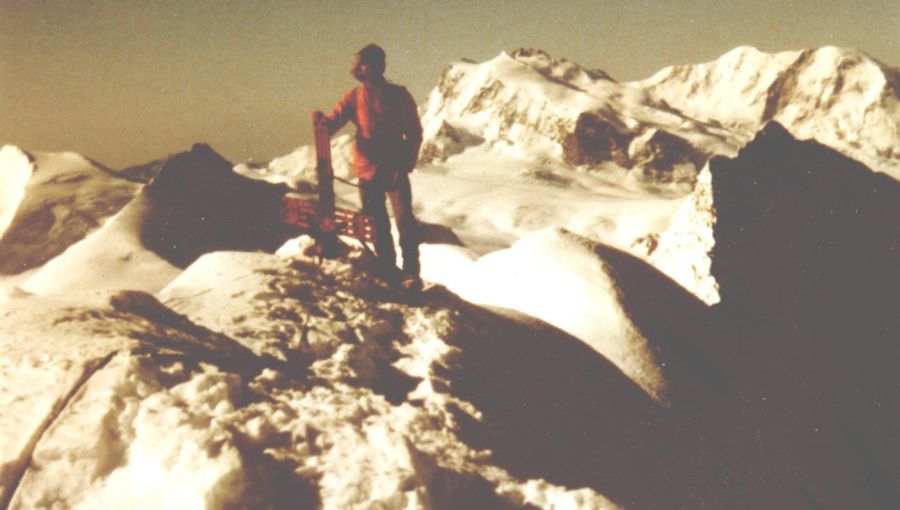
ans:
(361, 70)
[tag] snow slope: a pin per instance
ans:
(65, 197)
(682, 251)
(557, 277)
(111, 258)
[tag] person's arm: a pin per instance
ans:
(344, 111)
(412, 130)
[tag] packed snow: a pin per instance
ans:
(252, 380)
(580, 343)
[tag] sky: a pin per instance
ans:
(126, 81)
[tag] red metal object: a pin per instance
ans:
(302, 213)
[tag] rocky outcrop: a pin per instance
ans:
(596, 141)
(657, 153)
(447, 141)
(806, 244)
(654, 153)
(198, 204)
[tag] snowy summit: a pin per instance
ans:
(678, 292)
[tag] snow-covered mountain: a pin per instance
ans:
(646, 295)
(542, 106)
(840, 97)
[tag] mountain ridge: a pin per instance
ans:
(717, 106)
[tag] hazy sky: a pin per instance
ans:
(128, 81)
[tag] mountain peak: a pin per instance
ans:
(560, 69)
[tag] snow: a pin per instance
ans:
(205, 410)
(683, 250)
(558, 277)
(126, 434)
(300, 165)
(66, 197)
(15, 170)
(113, 257)
(490, 198)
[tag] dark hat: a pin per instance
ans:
(372, 55)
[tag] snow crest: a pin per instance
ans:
(15, 170)
(588, 303)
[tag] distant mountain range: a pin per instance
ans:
(839, 97)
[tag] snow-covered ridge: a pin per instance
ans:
(562, 70)
(194, 205)
(528, 99)
(841, 97)
(61, 197)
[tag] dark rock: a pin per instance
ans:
(447, 141)
(662, 151)
(144, 172)
(807, 255)
(595, 141)
(198, 205)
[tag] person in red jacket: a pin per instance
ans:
(388, 138)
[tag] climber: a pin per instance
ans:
(388, 137)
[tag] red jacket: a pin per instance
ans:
(388, 130)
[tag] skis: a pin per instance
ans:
(320, 218)
(324, 177)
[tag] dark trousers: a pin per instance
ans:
(372, 195)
